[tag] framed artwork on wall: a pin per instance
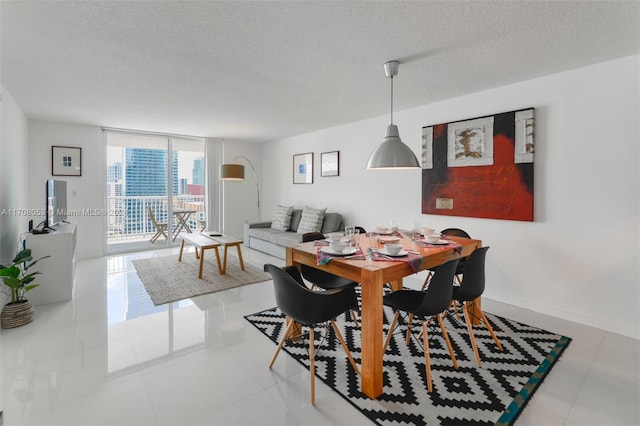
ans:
(66, 161)
(481, 167)
(330, 163)
(303, 168)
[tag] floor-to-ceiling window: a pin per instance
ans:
(155, 189)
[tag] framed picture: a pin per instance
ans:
(303, 168)
(481, 167)
(330, 163)
(66, 161)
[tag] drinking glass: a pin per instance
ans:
(415, 232)
(373, 240)
(349, 232)
(393, 226)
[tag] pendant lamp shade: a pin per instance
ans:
(392, 153)
(232, 172)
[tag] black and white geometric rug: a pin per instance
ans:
(495, 393)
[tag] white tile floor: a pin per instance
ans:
(108, 357)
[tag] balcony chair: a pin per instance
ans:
(472, 287)
(425, 305)
(322, 279)
(307, 307)
(161, 228)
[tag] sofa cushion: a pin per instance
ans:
(286, 239)
(311, 220)
(264, 233)
(282, 218)
(332, 223)
(282, 238)
(296, 215)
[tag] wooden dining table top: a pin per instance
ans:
(372, 276)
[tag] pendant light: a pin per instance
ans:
(392, 153)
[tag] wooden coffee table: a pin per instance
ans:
(204, 242)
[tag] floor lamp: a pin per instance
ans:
(234, 171)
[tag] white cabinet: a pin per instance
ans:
(58, 271)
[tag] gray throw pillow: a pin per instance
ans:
(311, 220)
(281, 218)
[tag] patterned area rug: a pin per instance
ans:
(496, 393)
(167, 280)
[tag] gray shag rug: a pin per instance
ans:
(167, 280)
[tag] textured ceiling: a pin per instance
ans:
(259, 71)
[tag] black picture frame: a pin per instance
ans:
(66, 161)
(330, 164)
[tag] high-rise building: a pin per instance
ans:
(114, 172)
(198, 171)
(146, 174)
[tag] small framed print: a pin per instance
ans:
(330, 163)
(66, 161)
(303, 168)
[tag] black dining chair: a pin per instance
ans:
(455, 232)
(323, 279)
(307, 307)
(472, 287)
(426, 305)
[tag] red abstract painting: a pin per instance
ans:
(481, 167)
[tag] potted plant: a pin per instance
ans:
(19, 280)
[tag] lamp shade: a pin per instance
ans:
(393, 153)
(231, 172)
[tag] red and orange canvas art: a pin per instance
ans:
(482, 167)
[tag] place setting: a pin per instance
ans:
(394, 252)
(338, 245)
(428, 237)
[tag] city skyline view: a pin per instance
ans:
(139, 180)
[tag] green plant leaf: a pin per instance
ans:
(34, 262)
(30, 287)
(11, 271)
(31, 275)
(27, 280)
(22, 256)
(12, 282)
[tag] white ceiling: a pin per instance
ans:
(259, 71)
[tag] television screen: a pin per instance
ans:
(56, 210)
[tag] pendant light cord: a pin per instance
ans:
(391, 99)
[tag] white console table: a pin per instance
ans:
(58, 271)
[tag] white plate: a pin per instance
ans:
(399, 254)
(389, 239)
(439, 242)
(346, 252)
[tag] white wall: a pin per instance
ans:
(579, 260)
(14, 177)
(83, 192)
(240, 197)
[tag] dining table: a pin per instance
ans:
(373, 272)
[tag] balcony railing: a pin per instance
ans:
(128, 217)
